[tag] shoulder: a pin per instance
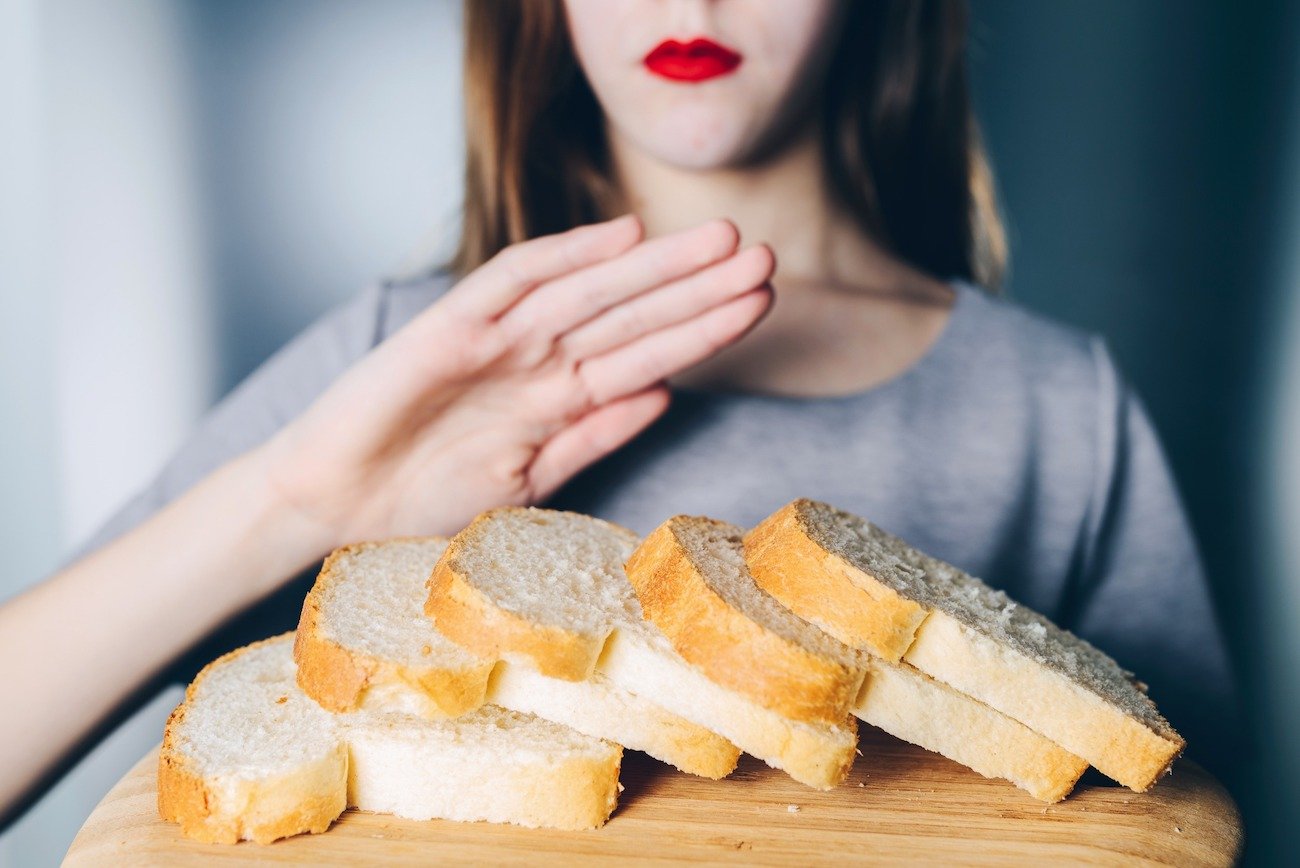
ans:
(1016, 334)
(1056, 363)
(402, 298)
(1048, 393)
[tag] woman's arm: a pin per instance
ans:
(536, 364)
(75, 645)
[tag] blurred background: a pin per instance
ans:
(185, 184)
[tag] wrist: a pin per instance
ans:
(275, 532)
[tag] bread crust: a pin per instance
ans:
(824, 589)
(651, 728)
(580, 793)
(468, 617)
(919, 709)
(817, 755)
(337, 677)
(311, 801)
(732, 649)
(692, 748)
(1120, 747)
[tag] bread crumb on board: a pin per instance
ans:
(793, 809)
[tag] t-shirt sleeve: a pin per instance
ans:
(276, 392)
(1144, 595)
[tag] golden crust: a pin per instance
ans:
(692, 748)
(1117, 745)
(917, 708)
(327, 672)
(589, 805)
(733, 650)
(581, 795)
(337, 677)
(825, 589)
(466, 616)
(851, 605)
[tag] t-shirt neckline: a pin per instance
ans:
(965, 296)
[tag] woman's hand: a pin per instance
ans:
(538, 363)
(535, 365)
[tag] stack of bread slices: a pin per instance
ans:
(498, 675)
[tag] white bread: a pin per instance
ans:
(547, 589)
(537, 586)
(248, 756)
(364, 642)
(691, 572)
(873, 591)
(911, 705)
(691, 579)
(818, 755)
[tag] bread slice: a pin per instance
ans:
(546, 589)
(815, 754)
(491, 764)
(365, 642)
(872, 590)
(894, 697)
(534, 585)
(248, 756)
(691, 579)
(911, 705)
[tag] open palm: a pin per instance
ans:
(535, 365)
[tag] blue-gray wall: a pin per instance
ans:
(1145, 153)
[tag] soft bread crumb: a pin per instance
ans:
(573, 563)
(375, 604)
(259, 745)
(439, 685)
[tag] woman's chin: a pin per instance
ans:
(693, 148)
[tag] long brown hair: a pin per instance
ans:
(901, 148)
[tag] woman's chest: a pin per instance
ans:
(969, 490)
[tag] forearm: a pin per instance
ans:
(73, 647)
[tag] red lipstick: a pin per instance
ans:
(697, 60)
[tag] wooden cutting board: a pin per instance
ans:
(900, 804)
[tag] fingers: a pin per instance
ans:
(660, 354)
(592, 437)
(672, 303)
(575, 298)
(493, 287)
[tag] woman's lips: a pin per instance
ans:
(697, 60)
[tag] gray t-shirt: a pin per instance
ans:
(1013, 449)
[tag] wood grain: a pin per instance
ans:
(901, 804)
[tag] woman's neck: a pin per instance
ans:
(782, 201)
(849, 314)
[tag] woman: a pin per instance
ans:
(538, 366)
